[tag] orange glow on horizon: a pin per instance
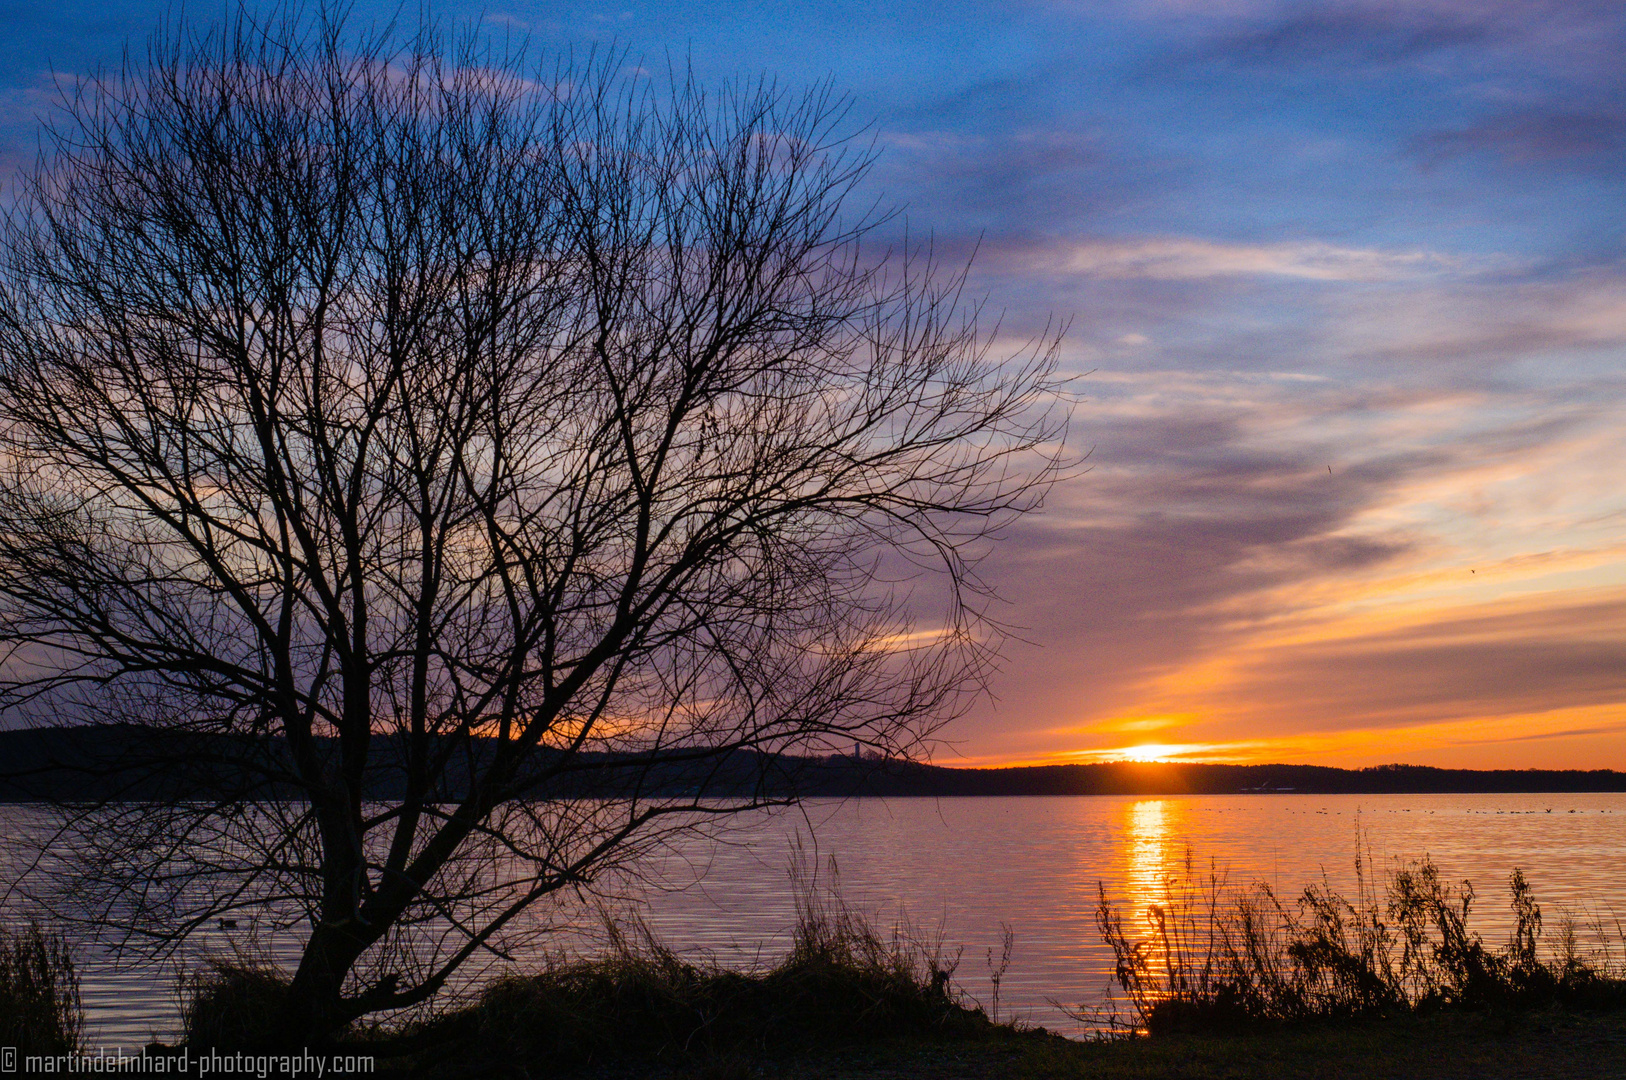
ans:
(1504, 741)
(1146, 752)
(1421, 679)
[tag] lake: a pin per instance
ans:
(964, 866)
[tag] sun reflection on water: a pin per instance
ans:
(1151, 830)
(1148, 834)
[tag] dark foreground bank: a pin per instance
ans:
(1553, 1044)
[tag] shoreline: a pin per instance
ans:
(1553, 1044)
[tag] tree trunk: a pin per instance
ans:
(313, 1011)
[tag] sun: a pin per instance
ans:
(1148, 752)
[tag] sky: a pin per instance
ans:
(1346, 293)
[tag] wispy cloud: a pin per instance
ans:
(1374, 33)
(1382, 33)
(502, 18)
(1191, 258)
(1565, 134)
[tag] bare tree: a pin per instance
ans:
(474, 471)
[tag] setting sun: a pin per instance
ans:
(1148, 752)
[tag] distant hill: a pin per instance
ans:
(1181, 778)
(116, 762)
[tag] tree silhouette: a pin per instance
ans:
(473, 471)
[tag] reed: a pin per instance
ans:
(232, 1004)
(40, 1007)
(1213, 955)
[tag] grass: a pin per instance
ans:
(40, 1008)
(1215, 957)
(640, 1006)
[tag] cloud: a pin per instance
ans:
(1194, 502)
(1375, 35)
(1360, 36)
(500, 18)
(1587, 137)
(1513, 658)
(1542, 312)
(1004, 173)
(1190, 259)
(1263, 557)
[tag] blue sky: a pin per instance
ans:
(1350, 283)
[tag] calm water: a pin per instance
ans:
(964, 866)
